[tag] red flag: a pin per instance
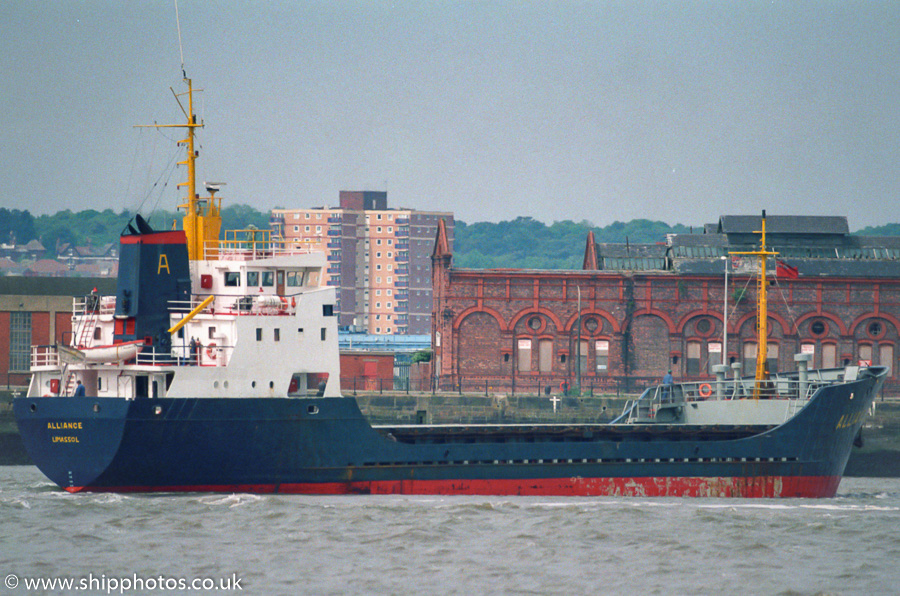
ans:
(786, 271)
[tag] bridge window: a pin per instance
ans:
(232, 279)
(253, 278)
(268, 278)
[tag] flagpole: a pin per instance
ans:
(725, 315)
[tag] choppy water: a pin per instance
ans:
(456, 545)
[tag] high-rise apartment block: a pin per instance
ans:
(379, 258)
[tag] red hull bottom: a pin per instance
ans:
(756, 487)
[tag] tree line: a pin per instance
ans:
(523, 242)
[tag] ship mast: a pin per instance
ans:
(762, 308)
(202, 216)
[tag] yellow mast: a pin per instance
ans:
(762, 308)
(202, 216)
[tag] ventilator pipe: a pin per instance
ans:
(803, 361)
(736, 367)
(720, 370)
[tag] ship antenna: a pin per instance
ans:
(180, 46)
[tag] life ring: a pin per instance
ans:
(210, 352)
(705, 390)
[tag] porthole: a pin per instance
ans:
(253, 384)
(225, 384)
(271, 384)
(818, 327)
(312, 409)
(534, 323)
(591, 324)
(215, 385)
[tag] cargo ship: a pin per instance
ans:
(215, 367)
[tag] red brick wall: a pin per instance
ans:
(648, 319)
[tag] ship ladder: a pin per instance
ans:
(87, 328)
(71, 380)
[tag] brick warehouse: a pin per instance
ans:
(649, 308)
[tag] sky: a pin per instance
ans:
(599, 111)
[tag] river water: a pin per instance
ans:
(275, 544)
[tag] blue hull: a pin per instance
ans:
(325, 445)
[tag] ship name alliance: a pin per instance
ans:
(64, 425)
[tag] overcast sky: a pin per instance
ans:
(604, 111)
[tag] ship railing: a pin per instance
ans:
(209, 354)
(93, 305)
(645, 407)
(45, 356)
(247, 245)
(248, 304)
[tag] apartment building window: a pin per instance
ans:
(379, 216)
(318, 216)
(390, 279)
(389, 292)
(390, 242)
(390, 229)
(20, 341)
(390, 254)
(296, 228)
(388, 305)
(378, 292)
(378, 241)
(306, 228)
(390, 267)
(296, 216)
(306, 215)
(378, 229)
(378, 267)
(378, 255)
(318, 228)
